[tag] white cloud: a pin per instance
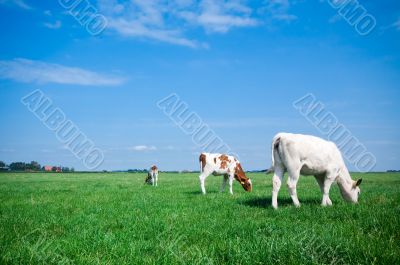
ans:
(47, 151)
(220, 16)
(145, 19)
(28, 71)
(397, 24)
(55, 25)
(334, 19)
(250, 122)
(285, 17)
(48, 13)
(19, 3)
(383, 142)
(168, 21)
(143, 148)
(170, 147)
(278, 10)
(7, 150)
(132, 28)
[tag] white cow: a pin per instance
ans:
(222, 165)
(308, 155)
(152, 176)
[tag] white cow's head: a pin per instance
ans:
(354, 192)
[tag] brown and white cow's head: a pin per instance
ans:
(241, 177)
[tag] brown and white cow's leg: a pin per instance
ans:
(231, 178)
(202, 178)
(294, 175)
(225, 179)
(156, 178)
(276, 184)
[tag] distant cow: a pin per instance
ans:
(308, 155)
(152, 176)
(222, 165)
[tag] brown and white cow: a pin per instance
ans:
(222, 165)
(152, 176)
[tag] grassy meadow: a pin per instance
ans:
(113, 218)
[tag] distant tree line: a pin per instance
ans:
(138, 170)
(32, 166)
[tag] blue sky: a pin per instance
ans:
(239, 65)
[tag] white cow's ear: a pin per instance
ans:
(358, 183)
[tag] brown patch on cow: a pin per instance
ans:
(215, 160)
(241, 177)
(239, 173)
(224, 161)
(153, 168)
(202, 160)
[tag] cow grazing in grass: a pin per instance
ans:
(222, 165)
(308, 155)
(152, 176)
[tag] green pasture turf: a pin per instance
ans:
(113, 218)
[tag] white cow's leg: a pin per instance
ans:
(231, 178)
(321, 182)
(292, 185)
(202, 178)
(225, 179)
(276, 184)
(156, 177)
(326, 201)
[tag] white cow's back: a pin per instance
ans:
(316, 155)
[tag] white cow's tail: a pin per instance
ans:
(270, 170)
(274, 147)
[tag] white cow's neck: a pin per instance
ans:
(345, 182)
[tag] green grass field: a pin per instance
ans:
(116, 219)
